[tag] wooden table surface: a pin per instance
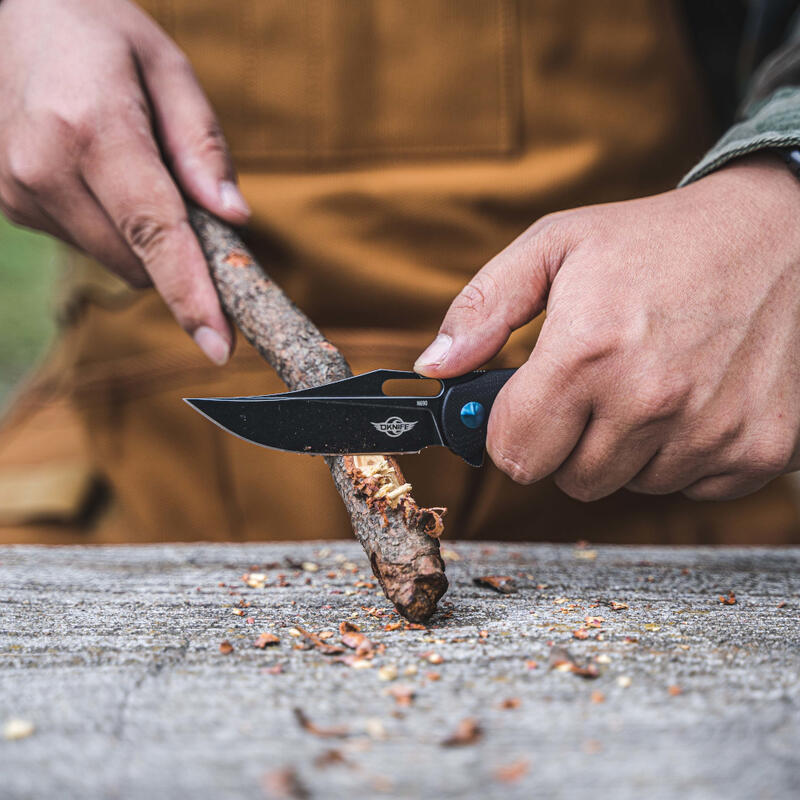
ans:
(110, 662)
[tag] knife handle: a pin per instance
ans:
(465, 413)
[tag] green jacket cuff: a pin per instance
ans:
(773, 123)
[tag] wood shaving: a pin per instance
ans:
(433, 658)
(16, 728)
(402, 693)
(508, 773)
(467, 732)
(562, 661)
(334, 732)
(322, 646)
(380, 482)
(283, 784)
(503, 584)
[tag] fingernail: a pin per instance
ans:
(212, 344)
(436, 351)
(232, 199)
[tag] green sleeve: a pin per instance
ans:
(771, 123)
(769, 116)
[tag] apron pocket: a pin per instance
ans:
(305, 83)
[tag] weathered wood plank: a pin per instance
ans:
(113, 654)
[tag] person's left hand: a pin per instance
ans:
(670, 356)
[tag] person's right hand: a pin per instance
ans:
(101, 121)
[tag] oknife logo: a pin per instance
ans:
(394, 426)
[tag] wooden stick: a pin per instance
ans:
(397, 535)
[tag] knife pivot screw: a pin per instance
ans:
(473, 414)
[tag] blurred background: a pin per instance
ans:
(386, 158)
(27, 283)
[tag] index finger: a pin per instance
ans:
(124, 172)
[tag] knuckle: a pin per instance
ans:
(715, 489)
(12, 214)
(210, 142)
(575, 486)
(9, 209)
(478, 297)
(45, 145)
(513, 466)
(590, 342)
(145, 232)
(658, 398)
(27, 168)
(771, 456)
(654, 484)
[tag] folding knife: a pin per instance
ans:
(354, 416)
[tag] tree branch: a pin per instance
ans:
(396, 534)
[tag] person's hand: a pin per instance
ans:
(102, 124)
(670, 356)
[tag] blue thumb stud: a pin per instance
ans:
(473, 414)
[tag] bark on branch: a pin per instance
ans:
(396, 534)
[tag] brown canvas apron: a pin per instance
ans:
(388, 149)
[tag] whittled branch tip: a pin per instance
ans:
(398, 536)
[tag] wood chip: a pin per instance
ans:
(467, 732)
(334, 732)
(508, 773)
(510, 703)
(322, 646)
(562, 661)
(730, 600)
(16, 728)
(433, 658)
(283, 784)
(504, 584)
(266, 640)
(225, 647)
(674, 690)
(330, 758)
(402, 693)
(352, 637)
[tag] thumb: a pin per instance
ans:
(505, 294)
(189, 133)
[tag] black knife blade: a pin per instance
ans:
(354, 416)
